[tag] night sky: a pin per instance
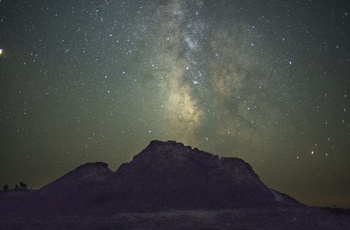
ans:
(266, 81)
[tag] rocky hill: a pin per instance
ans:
(169, 180)
(169, 175)
(87, 174)
(164, 176)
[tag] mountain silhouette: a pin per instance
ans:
(169, 175)
(164, 183)
(88, 173)
(164, 176)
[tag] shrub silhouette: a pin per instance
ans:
(5, 188)
(22, 186)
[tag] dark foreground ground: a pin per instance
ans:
(243, 219)
(16, 214)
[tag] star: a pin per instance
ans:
(249, 79)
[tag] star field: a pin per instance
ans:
(266, 81)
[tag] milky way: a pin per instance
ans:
(264, 81)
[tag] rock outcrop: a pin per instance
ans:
(169, 175)
(166, 186)
(164, 176)
(87, 174)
